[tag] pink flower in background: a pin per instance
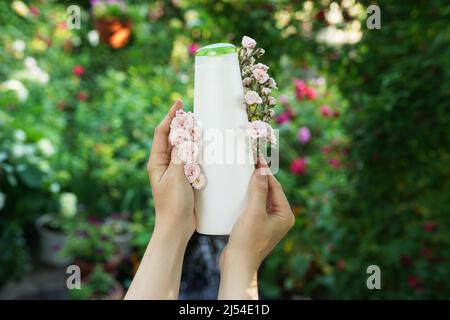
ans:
(335, 163)
(428, 226)
(252, 97)
(260, 75)
(188, 151)
(78, 70)
(200, 182)
(283, 100)
(191, 171)
(304, 135)
(325, 111)
(192, 48)
(298, 166)
(248, 42)
(283, 117)
(310, 93)
(303, 91)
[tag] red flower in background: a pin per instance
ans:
(413, 282)
(298, 166)
(78, 70)
(192, 48)
(428, 226)
(302, 91)
(335, 163)
(82, 96)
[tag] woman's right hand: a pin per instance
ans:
(267, 218)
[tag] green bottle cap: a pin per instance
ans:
(215, 49)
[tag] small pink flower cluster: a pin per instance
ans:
(261, 132)
(185, 135)
(258, 85)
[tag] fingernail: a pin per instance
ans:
(260, 174)
(261, 160)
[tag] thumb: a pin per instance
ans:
(259, 188)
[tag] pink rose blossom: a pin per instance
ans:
(298, 166)
(271, 82)
(182, 120)
(272, 101)
(191, 171)
(176, 135)
(252, 97)
(199, 182)
(304, 135)
(266, 91)
(193, 133)
(260, 66)
(258, 130)
(248, 42)
(188, 151)
(247, 81)
(260, 75)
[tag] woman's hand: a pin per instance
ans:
(267, 218)
(172, 193)
(159, 273)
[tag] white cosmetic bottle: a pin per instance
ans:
(226, 158)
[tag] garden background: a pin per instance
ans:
(364, 119)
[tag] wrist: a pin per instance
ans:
(166, 236)
(239, 259)
(238, 279)
(173, 231)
